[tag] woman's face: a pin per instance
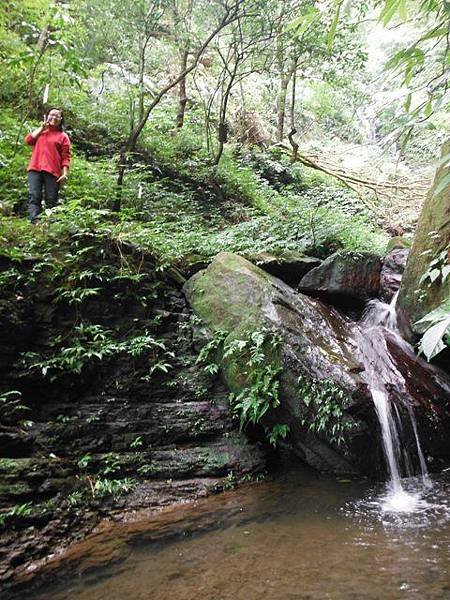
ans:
(54, 118)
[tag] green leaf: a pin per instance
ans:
(402, 10)
(431, 343)
(396, 60)
(303, 22)
(434, 33)
(428, 109)
(389, 10)
(445, 272)
(332, 33)
(407, 104)
(445, 181)
(409, 73)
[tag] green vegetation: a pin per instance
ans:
(256, 356)
(90, 342)
(16, 511)
(190, 124)
(435, 326)
(11, 407)
(325, 402)
(435, 330)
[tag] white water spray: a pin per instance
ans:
(380, 372)
(379, 313)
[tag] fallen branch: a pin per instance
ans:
(403, 194)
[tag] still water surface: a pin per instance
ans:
(298, 537)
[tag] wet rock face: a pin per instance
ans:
(328, 367)
(114, 421)
(344, 276)
(318, 356)
(15, 443)
(391, 273)
(427, 389)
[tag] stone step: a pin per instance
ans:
(215, 459)
(150, 426)
(39, 478)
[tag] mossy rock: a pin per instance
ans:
(237, 298)
(398, 243)
(353, 275)
(419, 296)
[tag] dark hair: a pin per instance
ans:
(61, 123)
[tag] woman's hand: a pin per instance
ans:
(62, 180)
(37, 132)
(64, 177)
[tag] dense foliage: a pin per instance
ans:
(186, 115)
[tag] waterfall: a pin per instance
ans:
(380, 313)
(389, 435)
(423, 464)
(381, 376)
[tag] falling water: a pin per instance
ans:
(380, 313)
(389, 434)
(380, 373)
(423, 464)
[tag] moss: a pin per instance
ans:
(215, 459)
(417, 296)
(228, 270)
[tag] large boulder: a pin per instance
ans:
(317, 355)
(345, 276)
(289, 266)
(420, 294)
(327, 367)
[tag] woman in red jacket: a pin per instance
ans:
(49, 164)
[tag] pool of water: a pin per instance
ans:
(299, 537)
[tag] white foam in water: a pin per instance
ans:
(400, 501)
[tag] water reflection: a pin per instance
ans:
(298, 537)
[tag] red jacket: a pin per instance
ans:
(51, 151)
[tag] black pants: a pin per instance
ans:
(36, 181)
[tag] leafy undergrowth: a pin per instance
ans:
(177, 207)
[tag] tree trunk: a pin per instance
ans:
(223, 129)
(182, 97)
(293, 130)
(285, 78)
(418, 297)
(141, 81)
(281, 107)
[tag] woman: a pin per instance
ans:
(49, 164)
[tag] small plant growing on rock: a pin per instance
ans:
(138, 442)
(16, 511)
(11, 408)
(278, 431)
(254, 354)
(325, 403)
(112, 487)
(261, 393)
